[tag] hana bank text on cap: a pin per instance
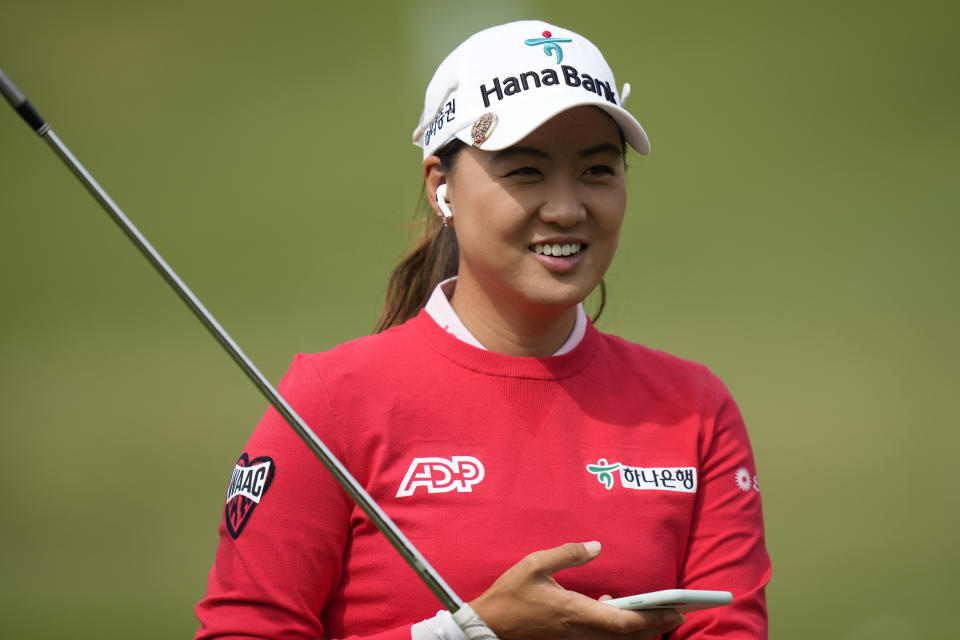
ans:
(502, 83)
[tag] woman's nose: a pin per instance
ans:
(563, 207)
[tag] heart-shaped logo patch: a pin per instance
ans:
(248, 485)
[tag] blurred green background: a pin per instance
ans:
(795, 229)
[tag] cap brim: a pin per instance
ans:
(514, 122)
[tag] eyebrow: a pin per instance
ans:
(509, 152)
(606, 147)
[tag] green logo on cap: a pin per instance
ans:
(550, 46)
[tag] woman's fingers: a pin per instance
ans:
(526, 603)
(572, 554)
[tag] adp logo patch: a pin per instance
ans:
(440, 475)
(248, 485)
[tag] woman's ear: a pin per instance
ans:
(433, 177)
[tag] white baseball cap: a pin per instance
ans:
(502, 83)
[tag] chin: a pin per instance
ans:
(561, 295)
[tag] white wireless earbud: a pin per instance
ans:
(442, 203)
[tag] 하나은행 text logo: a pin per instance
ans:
(683, 479)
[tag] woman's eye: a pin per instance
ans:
(524, 171)
(600, 170)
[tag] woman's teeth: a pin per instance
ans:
(557, 249)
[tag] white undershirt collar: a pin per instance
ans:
(439, 308)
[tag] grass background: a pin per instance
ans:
(794, 228)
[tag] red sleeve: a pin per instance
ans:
(726, 550)
(284, 530)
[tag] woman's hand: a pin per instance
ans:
(526, 603)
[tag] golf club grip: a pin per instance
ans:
(21, 105)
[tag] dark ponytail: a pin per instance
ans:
(433, 259)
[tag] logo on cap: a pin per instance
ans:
(482, 128)
(550, 46)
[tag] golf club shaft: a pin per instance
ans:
(427, 573)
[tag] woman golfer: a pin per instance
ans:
(505, 435)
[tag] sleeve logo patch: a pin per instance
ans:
(248, 485)
(746, 481)
(440, 475)
(682, 479)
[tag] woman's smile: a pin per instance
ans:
(559, 254)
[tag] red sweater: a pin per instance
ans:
(481, 458)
